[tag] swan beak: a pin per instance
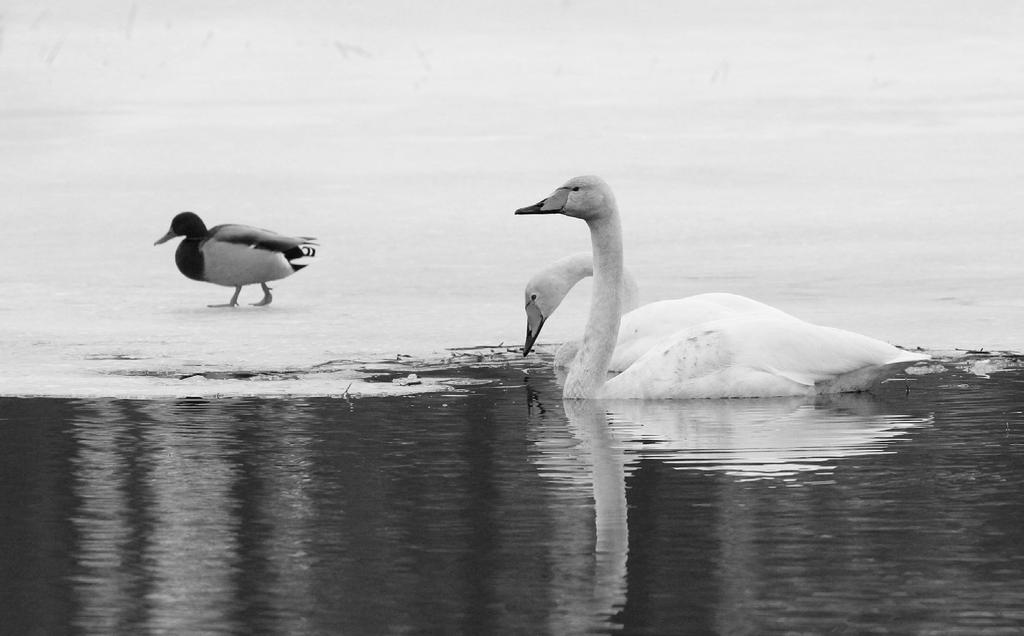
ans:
(554, 204)
(534, 323)
(166, 237)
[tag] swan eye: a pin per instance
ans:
(576, 189)
(533, 296)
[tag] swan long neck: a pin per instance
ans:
(575, 268)
(630, 292)
(589, 372)
(566, 272)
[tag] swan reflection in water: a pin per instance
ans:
(601, 442)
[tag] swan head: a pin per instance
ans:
(587, 197)
(535, 318)
(546, 290)
(184, 224)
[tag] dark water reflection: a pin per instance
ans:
(505, 510)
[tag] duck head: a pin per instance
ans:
(184, 224)
(587, 197)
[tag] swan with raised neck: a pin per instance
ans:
(589, 198)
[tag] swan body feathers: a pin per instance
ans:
(731, 347)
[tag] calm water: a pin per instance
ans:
(501, 509)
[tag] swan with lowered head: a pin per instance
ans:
(641, 328)
(546, 290)
(758, 354)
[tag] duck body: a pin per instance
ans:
(734, 346)
(236, 255)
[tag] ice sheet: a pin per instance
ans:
(856, 166)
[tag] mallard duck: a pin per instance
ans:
(236, 255)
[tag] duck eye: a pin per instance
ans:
(533, 296)
(576, 189)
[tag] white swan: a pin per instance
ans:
(641, 328)
(748, 355)
(546, 290)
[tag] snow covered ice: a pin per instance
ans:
(855, 166)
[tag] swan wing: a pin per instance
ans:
(645, 327)
(756, 355)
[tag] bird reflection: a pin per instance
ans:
(600, 443)
(755, 438)
(168, 497)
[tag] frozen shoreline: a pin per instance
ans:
(453, 371)
(126, 378)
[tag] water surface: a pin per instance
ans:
(501, 509)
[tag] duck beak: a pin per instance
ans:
(534, 323)
(554, 204)
(166, 237)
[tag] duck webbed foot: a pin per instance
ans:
(267, 297)
(234, 299)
